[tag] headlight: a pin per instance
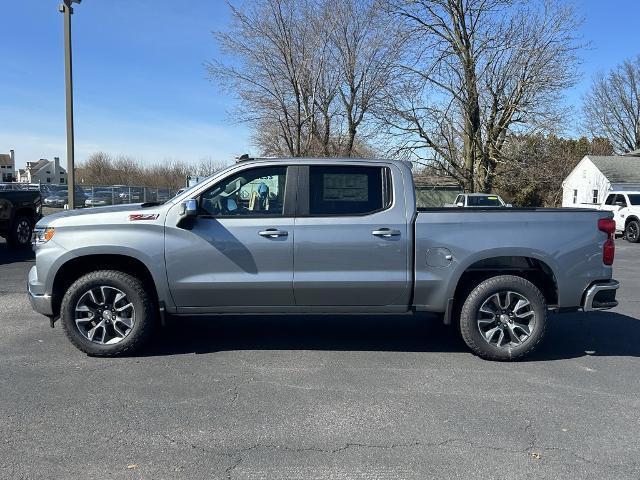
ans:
(42, 235)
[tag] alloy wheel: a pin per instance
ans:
(104, 315)
(632, 232)
(23, 231)
(506, 319)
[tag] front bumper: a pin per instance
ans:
(39, 299)
(601, 295)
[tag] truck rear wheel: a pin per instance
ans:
(503, 318)
(21, 230)
(108, 313)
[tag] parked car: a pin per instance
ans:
(19, 212)
(626, 213)
(479, 200)
(58, 196)
(99, 198)
(131, 194)
(319, 236)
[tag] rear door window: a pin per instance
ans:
(621, 199)
(610, 200)
(348, 190)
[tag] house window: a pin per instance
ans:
(595, 196)
(575, 196)
(48, 179)
(61, 179)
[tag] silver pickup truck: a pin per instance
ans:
(318, 236)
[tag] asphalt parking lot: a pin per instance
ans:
(320, 398)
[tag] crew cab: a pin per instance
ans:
(306, 236)
(626, 213)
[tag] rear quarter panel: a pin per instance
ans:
(566, 240)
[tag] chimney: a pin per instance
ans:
(13, 159)
(56, 165)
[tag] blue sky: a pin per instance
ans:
(141, 87)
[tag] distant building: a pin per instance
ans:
(43, 171)
(7, 167)
(588, 183)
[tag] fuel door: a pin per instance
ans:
(439, 257)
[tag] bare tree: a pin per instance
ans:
(479, 70)
(308, 73)
(274, 68)
(612, 106)
(104, 169)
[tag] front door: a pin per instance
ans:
(238, 252)
(352, 237)
(616, 203)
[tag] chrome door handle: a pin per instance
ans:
(386, 232)
(273, 233)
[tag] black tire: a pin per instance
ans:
(632, 231)
(21, 231)
(146, 313)
(470, 314)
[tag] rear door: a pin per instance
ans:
(352, 237)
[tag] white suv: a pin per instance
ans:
(626, 212)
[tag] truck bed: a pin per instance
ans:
(565, 240)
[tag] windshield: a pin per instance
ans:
(634, 199)
(482, 201)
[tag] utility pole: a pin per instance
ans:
(67, 10)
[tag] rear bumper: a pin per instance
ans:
(600, 295)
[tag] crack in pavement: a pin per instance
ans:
(239, 455)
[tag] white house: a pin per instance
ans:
(589, 182)
(7, 167)
(43, 171)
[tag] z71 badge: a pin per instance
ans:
(143, 216)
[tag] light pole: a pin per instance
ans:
(66, 9)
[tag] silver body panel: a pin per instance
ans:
(327, 264)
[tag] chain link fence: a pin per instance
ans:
(55, 196)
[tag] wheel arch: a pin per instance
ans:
(24, 212)
(533, 269)
(629, 219)
(75, 267)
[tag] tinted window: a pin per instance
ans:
(610, 200)
(621, 199)
(634, 199)
(480, 201)
(348, 190)
(254, 192)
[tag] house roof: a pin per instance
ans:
(618, 169)
(5, 159)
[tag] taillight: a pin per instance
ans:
(608, 226)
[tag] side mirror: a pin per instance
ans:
(188, 213)
(460, 204)
(190, 208)
(620, 204)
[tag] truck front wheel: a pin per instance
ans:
(632, 231)
(21, 230)
(108, 313)
(503, 318)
